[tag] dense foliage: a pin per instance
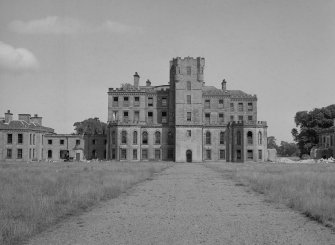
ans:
(307, 125)
(90, 126)
(285, 149)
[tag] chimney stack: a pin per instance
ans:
(136, 80)
(8, 116)
(36, 119)
(224, 85)
(25, 117)
(148, 83)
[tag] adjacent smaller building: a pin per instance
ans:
(326, 146)
(95, 146)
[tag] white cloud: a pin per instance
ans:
(16, 59)
(61, 25)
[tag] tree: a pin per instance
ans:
(308, 124)
(288, 149)
(272, 143)
(90, 126)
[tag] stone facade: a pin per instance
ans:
(326, 146)
(95, 146)
(185, 120)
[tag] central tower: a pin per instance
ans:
(186, 81)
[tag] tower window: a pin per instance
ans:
(189, 116)
(188, 97)
(188, 70)
(9, 138)
(188, 85)
(208, 138)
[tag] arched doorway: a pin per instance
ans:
(188, 156)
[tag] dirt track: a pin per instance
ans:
(188, 204)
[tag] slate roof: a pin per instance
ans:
(23, 125)
(211, 90)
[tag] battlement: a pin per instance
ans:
(249, 123)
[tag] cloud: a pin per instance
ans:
(16, 59)
(62, 25)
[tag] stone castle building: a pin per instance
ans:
(184, 121)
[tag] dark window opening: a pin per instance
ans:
(123, 154)
(249, 137)
(222, 136)
(188, 98)
(124, 137)
(144, 138)
(20, 139)
(150, 102)
(49, 153)
(157, 138)
(61, 142)
(150, 117)
(208, 138)
(49, 142)
(157, 154)
(250, 155)
(189, 116)
(9, 138)
(9, 153)
(207, 104)
(222, 154)
(164, 101)
(164, 117)
(208, 154)
(135, 137)
(19, 153)
(134, 154)
(144, 154)
(137, 101)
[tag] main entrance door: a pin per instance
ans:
(189, 156)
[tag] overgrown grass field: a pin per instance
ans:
(34, 196)
(308, 188)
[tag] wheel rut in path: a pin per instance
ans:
(187, 204)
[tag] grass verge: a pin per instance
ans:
(308, 188)
(37, 195)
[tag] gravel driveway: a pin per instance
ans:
(188, 204)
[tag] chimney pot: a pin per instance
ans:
(224, 85)
(148, 83)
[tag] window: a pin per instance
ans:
(9, 138)
(157, 154)
(207, 104)
(231, 118)
(94, 154)
(249, 118)
(164, 117)
(33, 153)
(250, 155)
(164, 101)
(144, 154)
(134, 154)
(189, 133)
(240, 118)
(20, 138)
(34, 139)
(240, 106)
(124, 137)
(9, 153)
(145, 138)
(170, 138)
(249, 137)
(125, 116)
(222, 136)
(61, 142)
(94, 142)
(188, 99)
(115, 116)
(105, 142)
(220, 103)
(136, 116)
(123, 154)
(170, 154)
(126, 101)
(222, 154)
(260, 154)
(238, 138)
(30, 139)
(113, 154)
(250, 107)
(136, 101)
(77, 142)
(150, 102)
(260, 138)
(189, 116)
(207, 118)
(19, 153)
(113, 137)
(188, 85)
(29, 153)
(208, 138)
(49, 142)
(238, 155)
(115, 101)
(188, 70)
(221, 118)
(150, 117)
(157, 138)
(208, 154)
(135, 138)
(49, 154)
(232, 107)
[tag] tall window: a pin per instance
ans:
(260, 138)
(150, 117)
(164, 117)
(207, 104)
(250, 107)
(250, 155)
(19, 153)
(34, 139)
(115, 101)
(170, 138)
(136, 116)
(20, 138)
(260, 154)
(238, 138)
(221, 118)
(9, 153)
(150, 102)
(157, 154)
(222, 154)
(188, 85)
(126, 101)
(113, 137)
(125, 116)
(208, 154)
(134, 154)
(123, 154)
(164, 101)
(249, 118)
(137, 101)
(240, 106)
(9, 138)
(208, 138)
(220, 103)
(135, 137)
(240, 117)
(231, 118)
(157, 138)
(188, 98)
(145, 138)
(189, 116)
(222, 138)
(232, 107)
(49, 153)
(207, 118)
(188, 70)
(238, 155)
(249, 137)
(49, 142)
(124, 137)
(144, 154)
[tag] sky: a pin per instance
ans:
(58, 58)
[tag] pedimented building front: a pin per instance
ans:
(184, 121)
